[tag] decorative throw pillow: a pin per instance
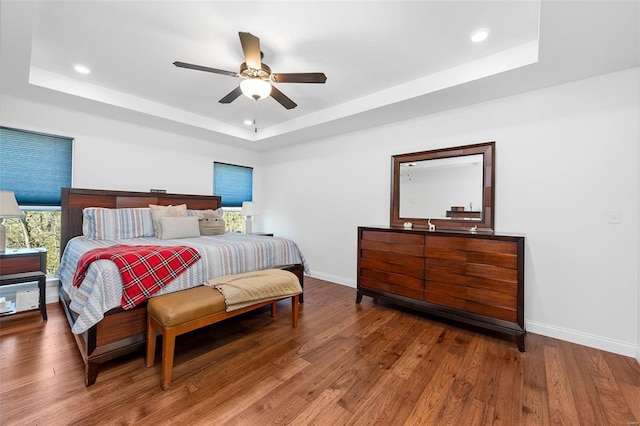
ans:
(165, 211)
(179, 227)
(211, 223)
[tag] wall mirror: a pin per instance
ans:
(454, 187)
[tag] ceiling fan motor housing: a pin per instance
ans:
(264, 73)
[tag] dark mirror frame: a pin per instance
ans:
(488, 196)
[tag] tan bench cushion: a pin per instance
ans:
(187, 305)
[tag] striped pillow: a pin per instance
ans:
(114, 224)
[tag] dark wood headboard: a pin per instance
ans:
(74, 200)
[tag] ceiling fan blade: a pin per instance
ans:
(251, 49)
(300, 77)
(206, 69)
(282, 98)
(231, 96)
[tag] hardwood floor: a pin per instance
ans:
(344, 364)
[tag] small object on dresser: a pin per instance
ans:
(408, 225)
(457, 208)
(432, 227)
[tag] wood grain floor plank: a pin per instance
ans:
(459, 397)
(508, 405)
(427, 409)
(535, 399)
(346, 364)
(631, 394)
(562, 406)
(477, 413)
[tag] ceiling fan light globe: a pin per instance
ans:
(255, 88)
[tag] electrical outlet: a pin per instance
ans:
(613, 216)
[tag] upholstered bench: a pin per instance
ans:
(177, 313)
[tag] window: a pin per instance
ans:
(35, 166)
(235, 185)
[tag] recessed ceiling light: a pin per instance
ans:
(82, 69)
(248, 122)
(479, 35)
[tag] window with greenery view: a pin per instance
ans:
(35, 167)
(235, 185)
(43, 230)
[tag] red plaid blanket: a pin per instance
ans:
(144, 269)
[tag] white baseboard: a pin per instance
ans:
(334, 279)
(593, 341)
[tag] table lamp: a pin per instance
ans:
(8, 208)
(248, 211)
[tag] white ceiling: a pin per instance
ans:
(385, 60)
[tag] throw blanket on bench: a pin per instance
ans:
(144, 269)
(254, 287)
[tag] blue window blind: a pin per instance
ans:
(233, 183)
(34, 166)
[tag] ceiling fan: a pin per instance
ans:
(257, 75)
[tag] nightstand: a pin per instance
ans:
(25, 265)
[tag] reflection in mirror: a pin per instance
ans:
(443, 188)
(449, 187)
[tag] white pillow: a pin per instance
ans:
(179, 227)
(162, 211)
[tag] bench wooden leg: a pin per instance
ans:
(151, 343)
(274, 309)
(295, 308)
(168, 348)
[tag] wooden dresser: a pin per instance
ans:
(473, 278)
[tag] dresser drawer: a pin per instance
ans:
(479, 244)
(412, 245)
(393, 258)
(393, 278)
(417, 271)
(376, 284)
(498, 305)
(393, 238)
(497, 312)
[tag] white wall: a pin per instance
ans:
(565, 156)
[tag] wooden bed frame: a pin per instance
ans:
(120, 332)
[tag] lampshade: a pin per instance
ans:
(255, 88)
(9, 205)
(248, 208)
